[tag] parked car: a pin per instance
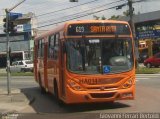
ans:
(143, 54)
(22, 66)
(152, 61)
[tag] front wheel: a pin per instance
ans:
(41, 87)
(56, 95)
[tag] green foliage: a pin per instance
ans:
(126, 13)
(144, 70)
(98, 18)
(114, 17)
(18, 74)
(103, 17)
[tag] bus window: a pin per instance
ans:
(51, 46)
(42, 48)
(39, 48)
(118, 53)
(91, 55)
(56, 46)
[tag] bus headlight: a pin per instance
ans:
(128, 83)
(75, 85)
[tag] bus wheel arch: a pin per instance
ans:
(40, 84)
(56, 93)
(55, 89)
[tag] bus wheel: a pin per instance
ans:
(41, 87)
(56, 95)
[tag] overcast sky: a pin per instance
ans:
(41, 7)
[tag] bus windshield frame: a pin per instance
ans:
(99, 55)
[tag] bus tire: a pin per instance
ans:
(41, 87)
(56, 95)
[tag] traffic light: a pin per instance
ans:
(10, 27)
(5, 27)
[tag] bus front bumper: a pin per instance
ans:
(73, 96)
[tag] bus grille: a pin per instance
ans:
(109, 81)
(102, 95)
(104, 88)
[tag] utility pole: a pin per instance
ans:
(7, 49)
(131, 9)
(8, 45)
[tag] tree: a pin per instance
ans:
(103, 17)
(114, 17)
(126, 13)
(98, 18)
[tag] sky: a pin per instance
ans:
(49, 12)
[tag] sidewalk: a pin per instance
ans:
(15, 102)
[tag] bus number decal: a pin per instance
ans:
(80, 29)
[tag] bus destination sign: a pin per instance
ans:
(98, 29)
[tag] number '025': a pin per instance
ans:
(80, 29)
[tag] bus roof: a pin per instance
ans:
(64, 25)
(96, 21)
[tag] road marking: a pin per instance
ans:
(142, 78)
(19, 81)
(147, 76)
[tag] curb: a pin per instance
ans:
(15, 102)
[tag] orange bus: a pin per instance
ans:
(86, 61)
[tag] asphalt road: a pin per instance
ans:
(20, 82)
(44, 106)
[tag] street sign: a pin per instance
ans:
(14, 16)
(24, 28)
(19, 28)
(148, 34)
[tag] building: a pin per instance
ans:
(147, 28)
(21, 41)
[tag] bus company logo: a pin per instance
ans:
(95, 81)
(88, 81)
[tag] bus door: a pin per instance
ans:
(41, 62)
(45, 47)
(62, 68)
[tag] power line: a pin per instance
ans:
(87, 14)
(41, 5)
(66, 8)
(77, 17)
(72, 15)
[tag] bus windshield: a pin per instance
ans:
(99, 56)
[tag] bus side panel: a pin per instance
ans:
(50, 75)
